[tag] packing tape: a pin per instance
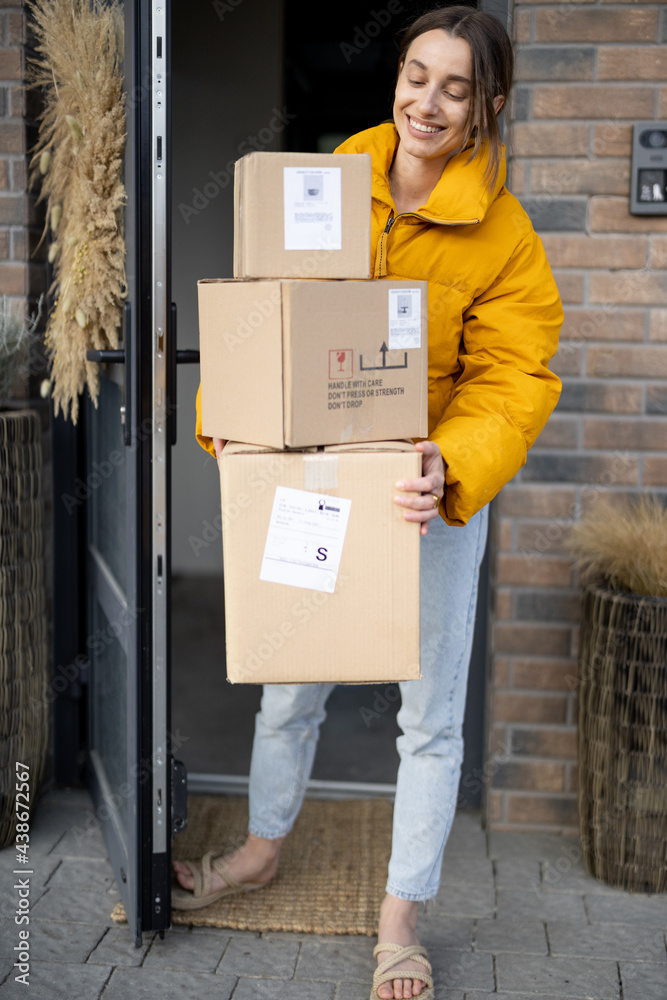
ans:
(320, 472)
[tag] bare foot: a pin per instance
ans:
(398, 922)
(255, 862)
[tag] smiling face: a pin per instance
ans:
(433, 94)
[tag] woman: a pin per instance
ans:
(441, 213)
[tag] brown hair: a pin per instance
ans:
(492, 70)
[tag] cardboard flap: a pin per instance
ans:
(373, 446)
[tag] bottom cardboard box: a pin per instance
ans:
(321, 570)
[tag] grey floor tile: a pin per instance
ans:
(145, 984)
(515, 905)
(643, 981)
(117, 948)
(347, 958)
(70, 982)
(525, 937)
(283, 989)
(252, 956)
(467, 900)
(73, 905)
(633, 942)
(564, 977)
(628, 908)
(185, 951)
(517, 873)
(541, 846)
(462, 970)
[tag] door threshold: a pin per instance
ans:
(200, 783)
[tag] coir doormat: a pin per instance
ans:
(333, 867)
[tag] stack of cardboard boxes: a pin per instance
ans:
(316, 376)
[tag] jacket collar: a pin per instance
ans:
(461, 194)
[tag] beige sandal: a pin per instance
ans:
(390, 968)
(201, 894)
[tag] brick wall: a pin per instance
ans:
(22, 273)
(585, 72)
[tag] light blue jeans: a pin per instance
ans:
(430, 718)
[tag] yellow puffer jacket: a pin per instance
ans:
(494, 317)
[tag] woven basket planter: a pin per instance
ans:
(623, 739)
(24, 648)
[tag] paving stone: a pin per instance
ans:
(564, 977)
(628, 908)
(51, 941)
(463, 970)
(9, 897)
(542, 846)
(185, 951)
(349, 958)
(566, 875)
(460, 870)
(70, 982)
(283, 989)
(467, 900)
(136, 984)
(352, 991)
(86, 874)
(516, 905)
(526, 937)
(633, 942)
(80, 840)
(117, 948)
(66, 830)
(259, 957)
(439, 930)
(643, 981)
(42, 868)
(517, 873)
(73, 905)
(466, 838)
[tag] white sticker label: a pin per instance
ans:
(405, 318)
(304, 542)
(313, 208)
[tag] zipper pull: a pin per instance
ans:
(381, 255)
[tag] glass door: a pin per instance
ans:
(127, 456)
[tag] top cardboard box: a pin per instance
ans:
(302, 215)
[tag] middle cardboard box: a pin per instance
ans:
(295, 363)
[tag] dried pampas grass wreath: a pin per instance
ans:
(79, 160)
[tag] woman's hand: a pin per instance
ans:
(432, 484)
(218, 444)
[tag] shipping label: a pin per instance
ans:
(405, 317)
(313, 208)
(304, 543)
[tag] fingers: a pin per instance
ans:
(218, 444)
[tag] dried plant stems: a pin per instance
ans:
(624, 546)
(79, 158)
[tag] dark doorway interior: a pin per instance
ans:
(338, 71)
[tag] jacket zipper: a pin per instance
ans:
(381, 255)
